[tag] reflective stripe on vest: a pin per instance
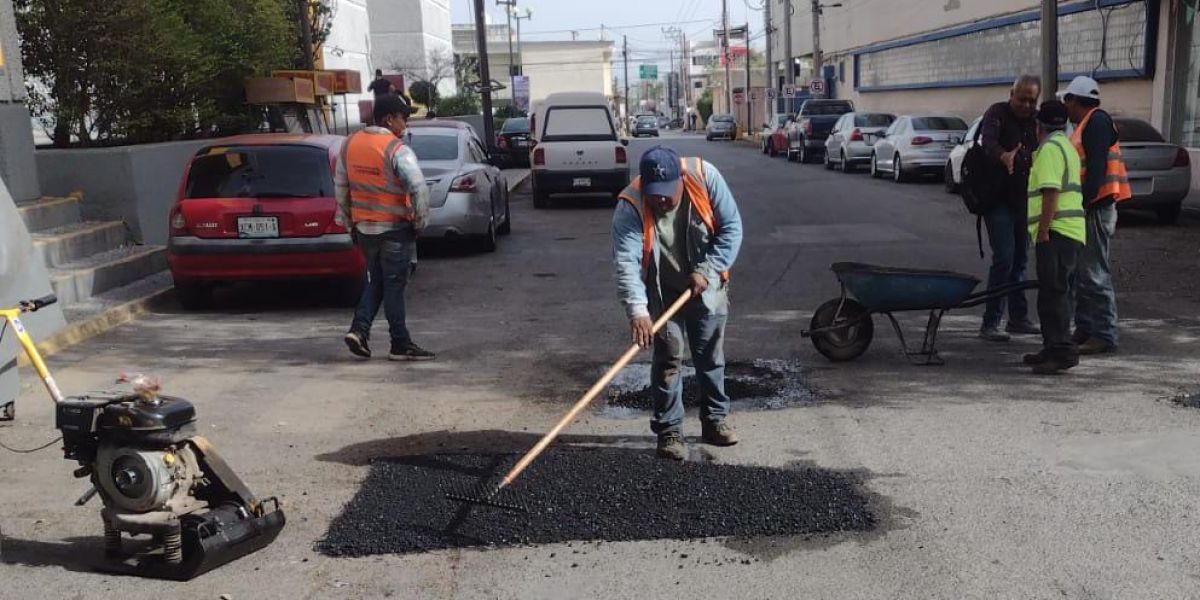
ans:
(697, 191)
(1116, 181)
(376, 193)
(1069, 219)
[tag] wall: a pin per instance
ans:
(137, 184)
(407, 32)
(16, 130)
(349, 47)
(568, 67)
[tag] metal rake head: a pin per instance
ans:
(486, 494)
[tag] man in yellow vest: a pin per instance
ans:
(677, 230)
(1056, 223)
(1104, 184)
(382, 194)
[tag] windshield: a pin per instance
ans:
(260, 172)
(939, 124)
(826, 108)
(647, 121)
(873, 120)
(723, 119)
(433, 146)
(516, 125)
(582, 123)
(1133, 130)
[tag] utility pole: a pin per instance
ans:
(485, 78)
(787, 43)
(625, 56)
(725, 55)
(509, 6)
(1049, 49)
(519, 18)
(767, 32)
(306, 40)
(746, 91)
(816, 37)
(687, 61)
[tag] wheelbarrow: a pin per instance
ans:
(842, 328)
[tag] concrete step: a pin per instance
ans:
(77, 241)
(79, 281)
(48, 213)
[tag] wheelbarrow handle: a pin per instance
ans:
(997, 292)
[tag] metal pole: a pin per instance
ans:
(687, 62)
(790, 75)
(671, 86)
(625, 56)
(725, 55)
(746, 92)
(485, 78)
(770, 83)
(1049, 49)
(816, 36)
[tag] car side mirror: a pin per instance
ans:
(624, 141)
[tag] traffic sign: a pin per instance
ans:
(817, 86)
(738, 97)
(789, 90)
(648, 72)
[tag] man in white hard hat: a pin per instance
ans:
(1104, 184)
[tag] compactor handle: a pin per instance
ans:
(38, 303)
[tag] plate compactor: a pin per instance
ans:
(154, 475)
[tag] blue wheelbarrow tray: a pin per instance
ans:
(842, 329)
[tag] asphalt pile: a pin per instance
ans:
(759, 384)
(1190, 399)
(588, 494)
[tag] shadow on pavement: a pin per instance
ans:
(486, 441)
(80, 554)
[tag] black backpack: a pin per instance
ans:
(979, 191)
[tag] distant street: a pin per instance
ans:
(986, 481)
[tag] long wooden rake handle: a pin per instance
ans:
(590, 394)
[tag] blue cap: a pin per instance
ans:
(660, 171)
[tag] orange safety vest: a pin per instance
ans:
(377, 195)
(1116, 180)
(697, 191)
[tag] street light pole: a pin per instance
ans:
(485, 78)
(625, 57)
(725, 55)
(1049, 49)
(509, 5)
(816, 37)
(517, 15)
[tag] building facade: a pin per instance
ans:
(551, 66)
(413, 36)
(349, 47)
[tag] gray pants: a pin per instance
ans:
(705, 333)
(1095, 298)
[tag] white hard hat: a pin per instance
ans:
(1084, 87)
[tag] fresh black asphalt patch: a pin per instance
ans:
(759, 384)
(1189, 399)
(589, 494)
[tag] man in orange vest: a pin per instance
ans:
(380, 188)
(677, 230)
(1104, 184)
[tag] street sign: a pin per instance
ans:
(520, 92)
(648, 72)
(789, 90)
(817, 86)
(771, 93)
(738, 97)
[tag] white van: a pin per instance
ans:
(577, 148)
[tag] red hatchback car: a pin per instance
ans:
(261, 207)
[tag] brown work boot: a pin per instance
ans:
(719, 433)
(1053, 365)
(1096, 346)
(670, 445)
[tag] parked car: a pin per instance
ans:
(645, 125)
(849, 142)
(953, 175)
(260, 207)
(806, 132)
(513, 142)
(1160, 173)
(774, 134)
(916, 144)
(577, 148)
(721, 126)
(664, 122)
(468, 198)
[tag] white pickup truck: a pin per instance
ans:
(577, 148)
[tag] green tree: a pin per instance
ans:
(458, 105)
(424, 92)
(704, 106)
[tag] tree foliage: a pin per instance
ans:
(136, 71)
(704, 106)
(424, 92)
(458, 105)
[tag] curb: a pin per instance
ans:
(514, 184)
(77, 332)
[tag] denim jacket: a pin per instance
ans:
(709, 255)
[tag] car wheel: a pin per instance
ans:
(764, 146)
(845, 164)
(826, 160)
(194, 296)
(488, 241)
(540, 198)
(1169, 214)
(898, 170)
(506, 227)
(874, 166)
(948, 176)
(803, 150)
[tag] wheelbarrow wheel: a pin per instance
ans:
(847, 342)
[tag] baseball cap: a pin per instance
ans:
(1052, 113)
(660, 171)
(1083, 87)
(390, 104)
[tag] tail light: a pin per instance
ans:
(856, 135)
(466, 183)
(178, 222)
(621, 158)
(501, 142)
(921, 140)
(1182, 158)
(539, 157)
(808, 128)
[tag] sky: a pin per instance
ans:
(641, 20)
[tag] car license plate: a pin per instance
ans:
(1141, 187)
(258, 227)
(582, 182)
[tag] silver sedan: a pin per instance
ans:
(468, 197)
(1160, 173)
(849, 142)
(916, 144)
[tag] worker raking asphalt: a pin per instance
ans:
(761, 384)
(604, 494)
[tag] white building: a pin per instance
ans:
(552, 66)
(703, 58)
(413, 36)
(349, 47)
